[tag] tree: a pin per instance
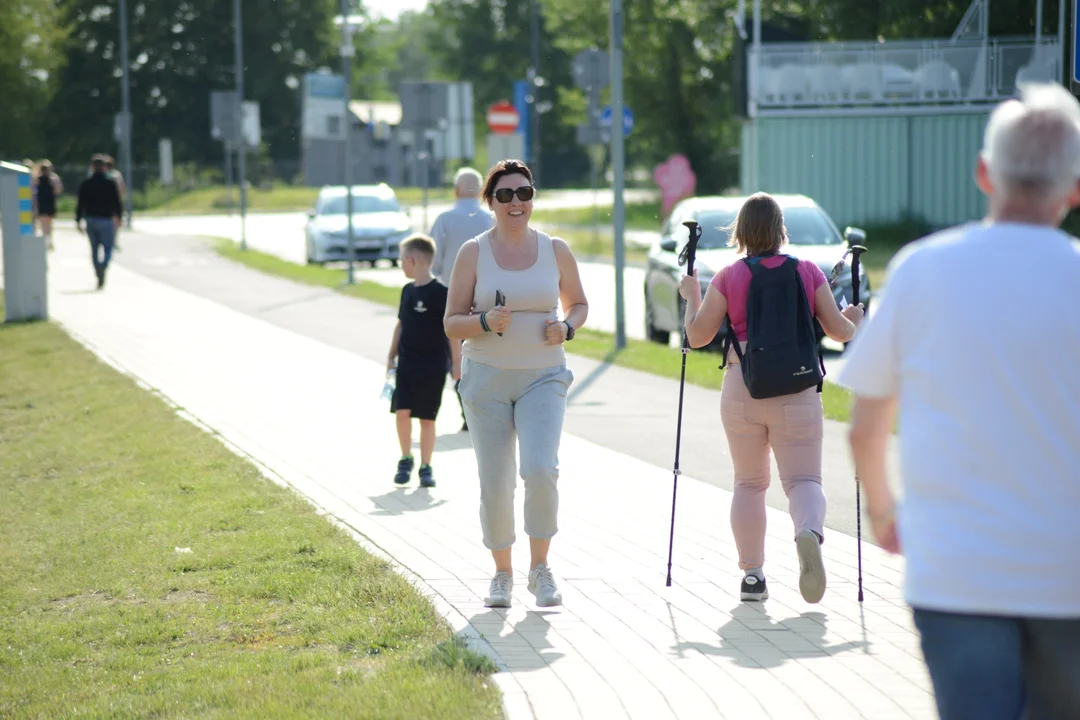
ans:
(179, 51)
(487, 43)
(30, 37)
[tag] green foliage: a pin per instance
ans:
(30, 36)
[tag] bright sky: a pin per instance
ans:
(392, 8)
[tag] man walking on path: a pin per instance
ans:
(453, 228)
(988, 437)
(99, 204)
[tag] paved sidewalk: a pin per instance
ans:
(623, 645)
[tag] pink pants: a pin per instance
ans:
(793, 426)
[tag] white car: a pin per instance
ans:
(812, 235)
(379, 224)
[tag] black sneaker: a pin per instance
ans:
(404, 470)
(753, 588)
(426, 478)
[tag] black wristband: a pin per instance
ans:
(483, 322)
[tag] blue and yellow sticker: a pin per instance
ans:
(26, 205)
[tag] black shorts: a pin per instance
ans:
(419, 390)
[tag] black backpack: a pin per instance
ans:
(782, 353)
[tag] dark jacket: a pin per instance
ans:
(98, 197)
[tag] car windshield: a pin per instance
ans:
(360, 203)
(805, 226)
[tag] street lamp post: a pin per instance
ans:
(535, 81)
(347, 52)
(617, 165)
(126, 121)
(238, 48)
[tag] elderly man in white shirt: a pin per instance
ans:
(976, 342)
(454, 227)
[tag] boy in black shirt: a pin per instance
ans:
(423, 353)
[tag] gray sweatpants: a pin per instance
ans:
(529, 404)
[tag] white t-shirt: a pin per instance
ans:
(978, 334)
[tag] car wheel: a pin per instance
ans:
(657, 336)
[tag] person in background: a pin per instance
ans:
(421, 352)
(464, 221)
(792, 425)
(47, 188)
(989, 436)
(99, 205)
(505, 291)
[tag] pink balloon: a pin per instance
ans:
(676, 180)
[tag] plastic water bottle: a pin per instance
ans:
(389, 385)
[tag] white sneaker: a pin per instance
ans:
(499, 592)
(811, 567)
(542, 585)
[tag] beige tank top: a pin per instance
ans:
(532, 296)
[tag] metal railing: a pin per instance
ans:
(907, 73)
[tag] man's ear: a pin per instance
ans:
(1074, 197)
(982, 177)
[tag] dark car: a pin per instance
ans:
(812, 235)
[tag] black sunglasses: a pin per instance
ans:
(524, 193)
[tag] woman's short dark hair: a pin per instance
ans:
(500, 170)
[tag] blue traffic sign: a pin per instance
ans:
(627, 117)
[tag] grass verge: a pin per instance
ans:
(150, 572)
(639, 216)
(701, 366)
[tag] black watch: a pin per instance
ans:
(569, 330)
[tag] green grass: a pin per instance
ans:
(701, 366)
(639, 216)
(274, 612)
(588, 245)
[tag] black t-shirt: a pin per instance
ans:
(423, 338)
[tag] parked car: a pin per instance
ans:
(379, 224)
(812, 235)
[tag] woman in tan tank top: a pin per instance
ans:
(505, 291)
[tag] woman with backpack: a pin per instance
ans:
(773, 400)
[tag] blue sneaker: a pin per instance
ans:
(404, 470)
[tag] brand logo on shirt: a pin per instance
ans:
(420, 306)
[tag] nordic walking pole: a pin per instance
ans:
(688, 255)
(856, 262)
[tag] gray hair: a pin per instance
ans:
(1033, 144)
(468, 181)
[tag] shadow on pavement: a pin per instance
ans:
(751, 627)
(404, 499)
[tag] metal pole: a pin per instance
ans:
(534, 73)
(228, 173)
(242, 145)
(617, 165)
(125, 92)
(427, 172)
(347, 51)
(1063, 62)
(1038, 27)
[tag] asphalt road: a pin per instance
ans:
(282, 235)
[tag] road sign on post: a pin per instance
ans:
(628, 119)
(591, 70)
(503, 118)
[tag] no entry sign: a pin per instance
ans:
(502, 118)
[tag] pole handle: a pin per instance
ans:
(689, 253)
(856, 266)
